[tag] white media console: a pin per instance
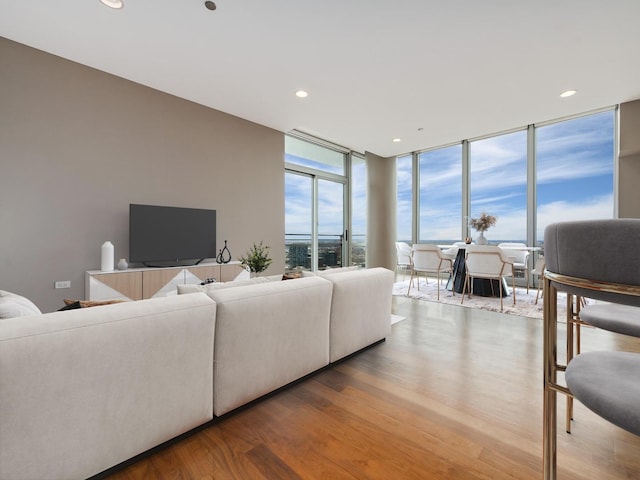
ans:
(141, 283)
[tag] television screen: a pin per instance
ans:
(168, 236)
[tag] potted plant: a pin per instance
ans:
(257, 258)
(481, 225)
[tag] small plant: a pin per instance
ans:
(257, 258)
(483, 223)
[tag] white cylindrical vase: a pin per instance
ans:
(107, 257)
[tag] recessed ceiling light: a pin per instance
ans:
(568, 93)
(301, 94)
(396, 140)
(210, 5)
(117, 4)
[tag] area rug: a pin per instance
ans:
(525, 303)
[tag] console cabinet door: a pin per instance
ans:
(232, 271)
(114, 286)
(161, 282)
(201, 273)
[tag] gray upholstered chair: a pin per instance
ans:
(606, 382)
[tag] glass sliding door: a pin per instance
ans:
(315, 205)
(298, 221)
(330, 241)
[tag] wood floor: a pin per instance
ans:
(453, 393)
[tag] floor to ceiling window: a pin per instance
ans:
(316, 205)
(575, 168)
(404, 187)
(440, 194)
(498, 185)
(554, 171)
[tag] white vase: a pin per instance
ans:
(107, 257)
(481, 240)
(122, 264)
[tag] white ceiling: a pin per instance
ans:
(374, 69)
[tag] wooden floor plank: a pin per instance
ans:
(453, 393)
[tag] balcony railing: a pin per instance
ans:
(298, 249)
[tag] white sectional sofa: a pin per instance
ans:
(84, 390)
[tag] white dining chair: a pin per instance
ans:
(403, 257)
(539, 272)
(521, 257)
(490, 262)
(427, 258)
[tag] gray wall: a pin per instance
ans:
(78, 145)
(629, 160)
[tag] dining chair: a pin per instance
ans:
(452, 251)
(427, 258)
(403, 256)
(490, 262)
(521, 257)
(538, 271)
(606, 382)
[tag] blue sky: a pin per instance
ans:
(574, 181)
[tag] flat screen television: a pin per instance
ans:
(171, 236)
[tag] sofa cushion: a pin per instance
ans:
(267, 336)
(360, 309)
(329, 271)
(13, 305)
(210, 287)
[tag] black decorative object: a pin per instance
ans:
(224, 255)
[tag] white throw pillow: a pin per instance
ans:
(12, 305)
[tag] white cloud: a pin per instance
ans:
(597, 208)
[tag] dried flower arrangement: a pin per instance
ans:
(483, 223)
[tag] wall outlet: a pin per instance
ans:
(63, 284)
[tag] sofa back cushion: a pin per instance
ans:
(268, 335)
(360, 309)
(210, 287)
(329, 271)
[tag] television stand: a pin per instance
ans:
(150, 282)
